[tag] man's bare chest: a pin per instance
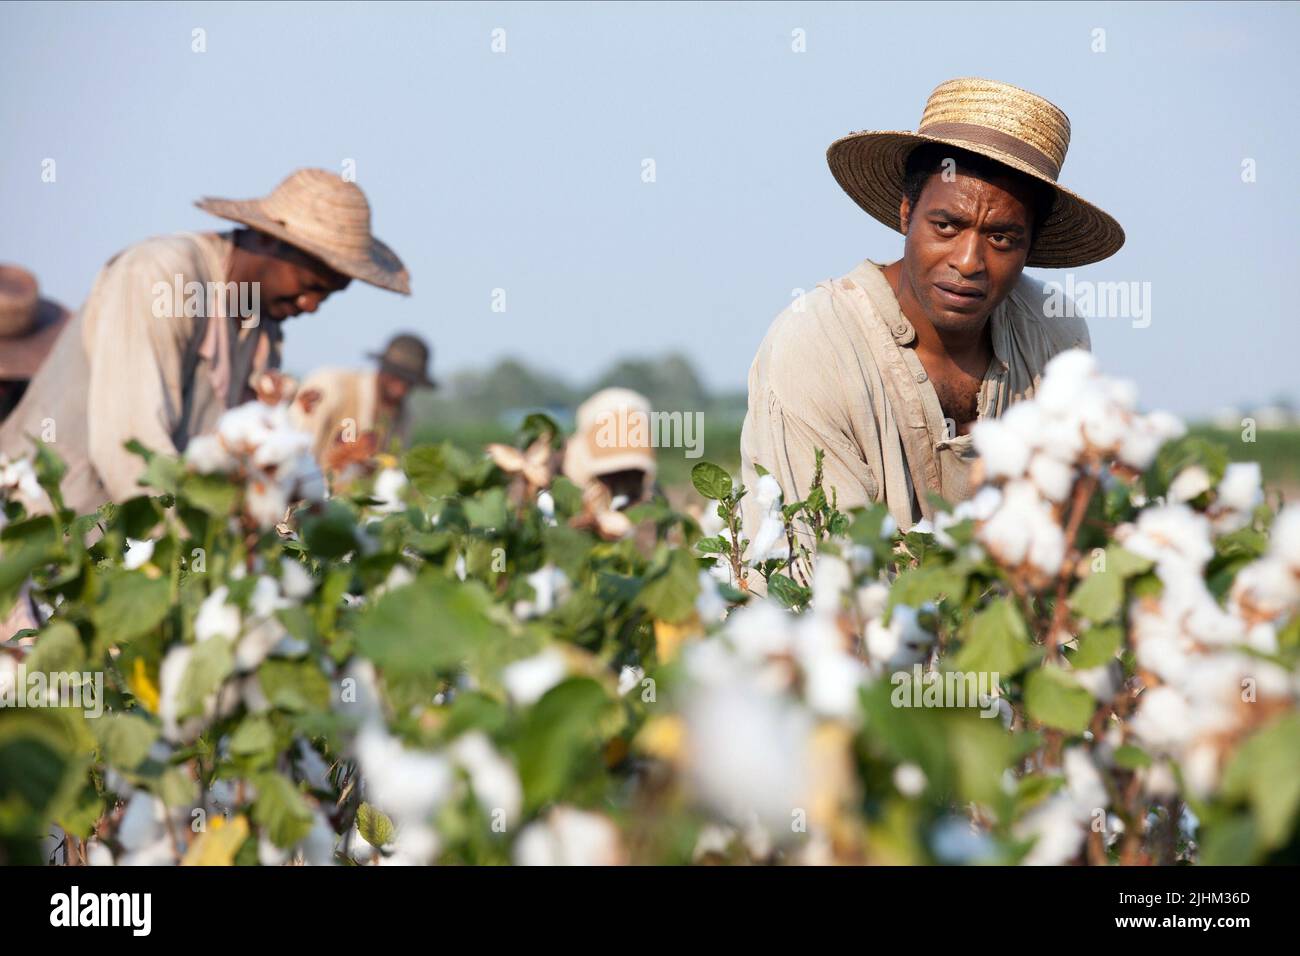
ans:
(958, 392)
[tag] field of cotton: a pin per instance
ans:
(458, 657)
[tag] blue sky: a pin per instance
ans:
(523, 170)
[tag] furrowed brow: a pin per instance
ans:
(948, 215)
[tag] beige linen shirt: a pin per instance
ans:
(132, 364)
(836, 372)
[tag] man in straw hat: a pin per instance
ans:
(341, 407)
(887, 368)
(175, 328)
(612, 446)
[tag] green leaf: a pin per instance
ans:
(1098, 597)
(134, 604)
(280, 810)
(670, 596)
(567, 497)
(996, 641)
(374, 826)
(252, 736)
(429, 470)
(331, 534)
(213, 494)
(562, 728)
(711, 481)
(1054, 698)
(294, 685)
(714, 545)
(487, 510)
(58, 650)
(209, 665)
(787, 591)
(1097, 646)
(426, 626)
(1131, 758)
(1265, 770)
(918, 586)
(124, 739)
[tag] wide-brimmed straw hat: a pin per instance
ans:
(612, 433)
(407, 357)
(1002, 122)
(29, 324)
(318, 212)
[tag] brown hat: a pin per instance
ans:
(29, 324)
(612, 433)
(1004, 123)
(318, 212)
(406, 356)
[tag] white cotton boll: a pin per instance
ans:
(416, 844)
(569, 837)
(1083, 782)
(258, 643)
(97, 854)
(981, 507)
(1164, 719)
(1058, 833)
(1104, 425)
(295, 580)
(138, 554)
(832, 677)
(759, 630)
(266, 501)
(359, 848)
(1061, 437)
(216, 618)
(1285, 536)
(406, 784)
(207, 455)
(268, 854)
(389, 486)
(546, 505)
(924, 526)
(460, 567)
(170, 674)
(317, 847)
(832, 579)
(710, 605)
(1170, 533)
(1265, 588)
(491, 776)
(871, 600)
(769, 542)
(281, 447)
(1200, 766)
(1052, 477)
(1263, 638)
(1101, 682)
(253, 696)
(1064, 378)
(768, 494)
(899, 645)
(712, 839)
(143, 822)
(888, 527)
(266, 598)
(527, 680)
(909, 779)
(1158, 780)
(1241, 487)
(1009, 534)
(628, 679)
(1005, 453)
(312, 767)
(1190, 483)
(1047, 549)
(748, 753)
(1145, 436)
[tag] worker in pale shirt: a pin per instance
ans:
(353, 413)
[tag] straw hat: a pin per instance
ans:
(317, 212)
(613, 434)
(29, 324)
(1005, 124)
(406, 356)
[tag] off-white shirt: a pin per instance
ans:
(838, 371)
(131, 364)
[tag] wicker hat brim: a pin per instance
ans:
(870, 167)
(380, 268)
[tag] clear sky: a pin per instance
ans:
(522, 170)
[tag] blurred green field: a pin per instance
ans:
(1278, 451)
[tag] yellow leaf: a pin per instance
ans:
(144, 689)
(669, 637)
(663, 737)
(218, 845)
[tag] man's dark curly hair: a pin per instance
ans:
(927, 159)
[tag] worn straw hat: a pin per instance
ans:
(406, 356)
(613, 433)
(1005, 124)
(29, 324)
(318, 212)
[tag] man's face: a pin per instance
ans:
(294, 282)
(967, 240)
(393, 389)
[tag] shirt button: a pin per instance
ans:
(900, 330)
(921, 376)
